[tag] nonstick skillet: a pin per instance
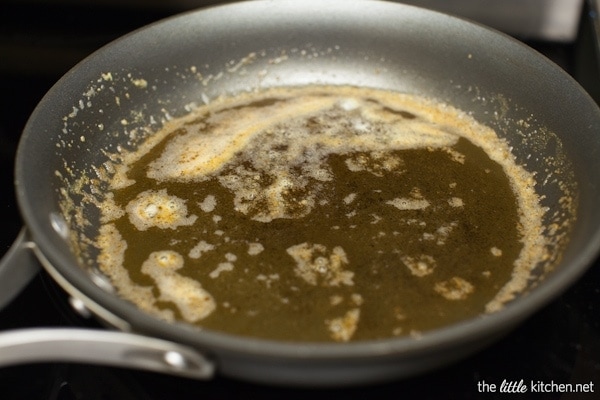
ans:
(164, 70)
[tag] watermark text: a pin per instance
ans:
(534, 386)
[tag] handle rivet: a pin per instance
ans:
(175, 359)
(79, 307)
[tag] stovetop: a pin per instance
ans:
(560, 343)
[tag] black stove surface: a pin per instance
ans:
(559, 344)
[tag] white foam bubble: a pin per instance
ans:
(404, 203)
(343, 328)
(193, 302)
(420, 266)
(255, 249)
(221, 267)
(456, 202)
(350, 198)
(201, 247)
(208, 204)
(455, 288)
(158, 209)
(316, 264)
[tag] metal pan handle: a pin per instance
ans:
(18, 266)
(111, 348)
(100, 347)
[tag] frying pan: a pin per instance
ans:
(130, 87)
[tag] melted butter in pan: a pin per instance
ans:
(320, 214)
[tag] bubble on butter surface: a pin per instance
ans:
(158, 208)
(193, 302)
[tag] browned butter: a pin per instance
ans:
(321, 214)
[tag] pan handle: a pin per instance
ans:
(109, 348)
(18, 266)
